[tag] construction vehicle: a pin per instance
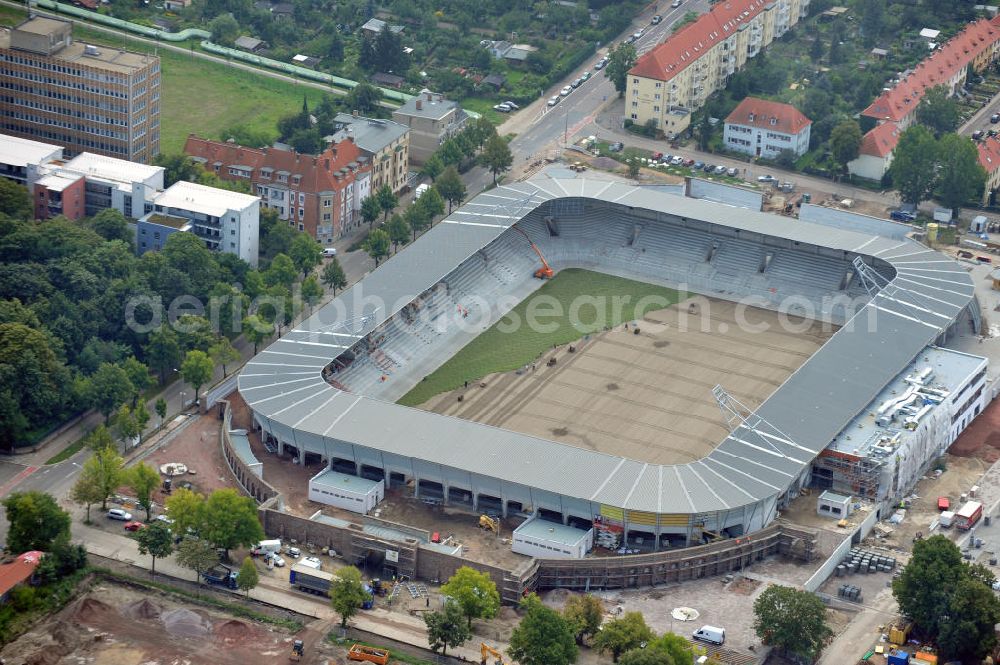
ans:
(489, 523)
(486, 651)
(369, 654)
(545, 272)
(298, 650)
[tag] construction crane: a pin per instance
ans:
(545, 272)
(487, 651)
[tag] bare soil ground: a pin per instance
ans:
(645, 396)
(196, 446)
(118, 625)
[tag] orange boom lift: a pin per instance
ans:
(545, 272)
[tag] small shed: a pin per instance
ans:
(831, 504)
(359, 495)
(305, 60)
(495, 81)
(251, 44)
(388, 80)
(551, 540)
(879, 53)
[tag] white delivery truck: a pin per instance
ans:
(265, 546)
(710, 634)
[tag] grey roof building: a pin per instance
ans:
(919, 295)
(432, 119)
(387, 142)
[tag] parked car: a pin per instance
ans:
(134, 526)
(600, 63)
(616, 147)
(677, 160)
(585, 76)
(976, 135)
(902, 215)
(657, 156)
(675, 4)
(708, 168)
(293, 552)
(163, 518)
(553, 100)
(503, 108)
(688, 162)
(119, 514)
(767, 178)
(720, 169)
(657, 20)
(275, 559)
(733, 172)
(566, 90)
(577, 83)
(991, 133)
(512, 105)
(995, 118)
(697, 166)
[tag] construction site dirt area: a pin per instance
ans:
(117, 625)
(981, 439)
(644, 390)
(195, 444)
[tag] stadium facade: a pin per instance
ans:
(321, 388)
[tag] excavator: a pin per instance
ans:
(487, 651)
(489, 523)
(545, 272)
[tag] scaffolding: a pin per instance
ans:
(855, 475)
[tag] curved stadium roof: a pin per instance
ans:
(284, 385)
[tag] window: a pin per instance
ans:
(302, 227)
(232, 232)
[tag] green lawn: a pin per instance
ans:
(500, 349)
(204, 98)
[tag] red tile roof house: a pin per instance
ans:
(319, 194)
(763, 128)
(17, 572)
(875, 153)
(989, 159)
(978, 45)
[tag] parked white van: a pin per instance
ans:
(265, 546)
(710, 634)
(329, 251)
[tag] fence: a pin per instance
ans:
(824, 572)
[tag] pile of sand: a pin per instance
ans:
(90, 609)
(184, 623)
(142, 609)
(234, 630)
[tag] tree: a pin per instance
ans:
(15, 201)
(138, 376)
(312, 292)
(163, 351)
(143, 479)
(446, 628)
(108, 472)
(620, 59)
(112, 225)
(196, 554)
(305, 252)
(967, 634)
(960, 175)
(872, 20)
(229, 520)
(387, 201)
(431, 203)
(676, 647)
(912, 170)
(126, 425)
(584, 614)
(542, 637)
(496, 156)
(108, 389)
(347, 593)
(248, 577)
(282, 271)
(197, 370)
(938, 111)
(926, 583)
(333, 275)
(633, 167)
(845, 141)
(399, 231)
(161, 409)
(224, 353)
(364, 98)
(306, 141)
(416, 219)
(87, 489)
(475, 592)
(256, 330)
(370, 210)
(622, 634)
(433, 167)
(156, 541)
(792, 620)
(646, 657)
(224, 28)
(185, 508)
(35, 521)
(377, 245)
(451, 187)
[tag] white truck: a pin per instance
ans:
(265, 546)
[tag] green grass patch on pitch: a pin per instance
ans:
(572, 305)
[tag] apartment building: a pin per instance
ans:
(85, 98)
(432, 120)
(989, 159)
(677, 76)
(106, 182)
(765, 129)
(320, 195)
(227, 221)
(18, 157)
(875, 153)
(386, 143)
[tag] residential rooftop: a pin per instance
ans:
(16, 151)
(120, 171)
(369, 134)
(765, 114)
(203, 199)
(427, 104)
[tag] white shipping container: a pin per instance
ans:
(946, 518)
